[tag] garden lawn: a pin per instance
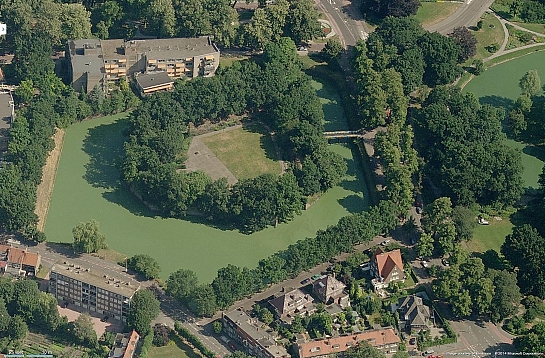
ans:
(490, 33)
(491, 236)
(247, 152)
(88, 186)
(431, 13)
(175, 349)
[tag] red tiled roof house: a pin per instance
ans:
(386, 267)
(385, 340)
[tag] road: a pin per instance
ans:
(477, 339)
(345, 21)
(467, 15)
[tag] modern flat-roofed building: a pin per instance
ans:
(95, 291)
(154, 82)
(94, 61)
(250, 333)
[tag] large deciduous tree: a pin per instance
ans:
(181, 284)
(530, 83)
(145, 265)
(87, 237)
(302, 21)
(467, 42)
(144, 308)
(525, 248)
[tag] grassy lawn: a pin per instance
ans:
(88, 186)
(498, 86)
(176, 348)
(490, 33)
(228, 61)
(491, 236)
(540, 28)
(431, 13)
(247, 152)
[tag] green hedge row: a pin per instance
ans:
(146, 345)
(191, 338)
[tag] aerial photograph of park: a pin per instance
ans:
(272, 179)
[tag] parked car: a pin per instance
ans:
(317, 276)
(105, 319)
(445, 262)
(412, 341)
(419, 210)
(305, 281)
(429, 351)
(483, 221)
(425, 264)
(385, 242)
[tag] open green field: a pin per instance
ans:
(247, 152)
(175, 349)
(431, 13)
(88, 187)
(491, 236)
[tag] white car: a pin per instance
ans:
(483, 221)
(385, 242)
(425, 264)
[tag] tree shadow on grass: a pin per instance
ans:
(104, 145)
(497, 101)
(266, 140)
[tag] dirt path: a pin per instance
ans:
(45, 189)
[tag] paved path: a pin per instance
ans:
(502, 50)
(467, 15)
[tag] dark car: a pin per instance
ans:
(105, 319)
(412, 341)
(305, 281)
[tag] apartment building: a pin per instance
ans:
(95, 291)
(385, 340)
(253, 335)
(99, 62)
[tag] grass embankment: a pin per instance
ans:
(431, 13)
(247, 152)
(88, 186)
(498, 86)
(491, 33)
(539, 28)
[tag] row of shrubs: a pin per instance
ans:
(191, 338)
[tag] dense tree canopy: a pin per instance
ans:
(462, 143)
(396, 8)
(524, 248)
(145, 265)
(144, 308)
(159, 136)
